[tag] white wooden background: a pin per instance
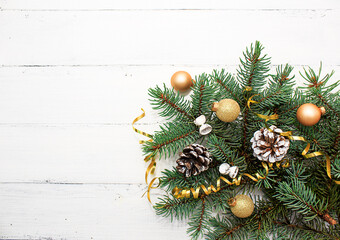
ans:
(75, 73)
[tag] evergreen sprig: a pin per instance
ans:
(172, 105)
(226, 85)
(254, 68)
(199, 221)
(202, 96)
(172, 137)
(222, 153)
(297, 196)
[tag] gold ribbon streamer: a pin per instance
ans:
(249, 101)
(186, 193)
(150, 170)
(280, 164)
(139, 131)
(152, 187)
(328, 167)
(152, 166)
(310, 155)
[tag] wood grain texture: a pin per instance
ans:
(73, 76)
(165, 37)
(73, 154)
(81, 211)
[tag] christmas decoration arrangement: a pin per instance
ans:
(254, 156)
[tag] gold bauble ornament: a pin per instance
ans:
(227, 110)
(241, 206)
(182, 81)
(309, 114)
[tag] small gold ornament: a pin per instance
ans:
(182, 81)
(309, 114)
(227, 110)
(241, 206)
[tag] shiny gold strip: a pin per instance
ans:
(139, 131)
(313, 154)
(152, 166)
(266, 117)
(150, 170)
(328, 167)
(186, 193)
(152, 187)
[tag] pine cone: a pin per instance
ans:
(269, 146)
(193, 160)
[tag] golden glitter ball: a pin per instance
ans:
(182, 81)
(241, 206)
(227, 110)
(309, 114)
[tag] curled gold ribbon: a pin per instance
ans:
(152, 187)
(151, 157)
(312, 154)
(289, 135)
(186, 193)
(280, 164)
(328, 167)
(139, 131)
(151, 169)
(250, 101)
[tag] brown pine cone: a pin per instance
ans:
(193, 160)
(269, 146)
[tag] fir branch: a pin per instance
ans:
(297, 196)
(228, 228)
(336, 142)
(171, 138)
(311, 137)
(245, 125)
(298, 171)
(231, 231)
(223, 153)
(335, 168)
(172, 105)
(202, 96)
(279, 90)
(226, 84)
(291, 109)
(199, 220)
(173, 178)
(306, 231)
(317, 88)
(324, 101)
(231, 133)
(175, 208)
(218, 199)
(270, 96)
(254, 68)
(282, 76)
(288, 110)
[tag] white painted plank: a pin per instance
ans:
(91, 95)
(73, 154)
(168, 4)
(100, 212)
(166, 37)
